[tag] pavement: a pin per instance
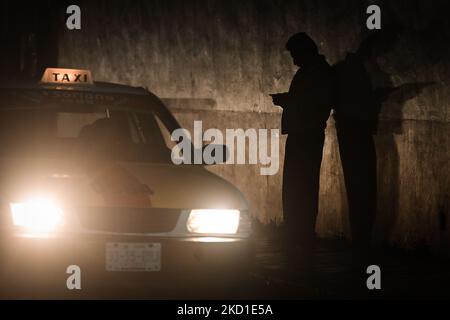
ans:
(339, 274)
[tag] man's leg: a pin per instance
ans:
(301, 189)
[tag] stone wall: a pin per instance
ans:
(228, 56)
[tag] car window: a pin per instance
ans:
(96, 131)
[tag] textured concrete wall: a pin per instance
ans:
(222, 58)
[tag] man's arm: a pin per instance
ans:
(281, 99)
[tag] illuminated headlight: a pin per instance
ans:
(36, 215)
(213, 221)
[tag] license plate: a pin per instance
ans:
(133, 257)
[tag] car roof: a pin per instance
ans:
(99, 87)
(96, 87)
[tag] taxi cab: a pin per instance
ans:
(86, 179)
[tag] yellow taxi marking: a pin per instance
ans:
(67, 76)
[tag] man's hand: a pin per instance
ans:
(280, 99)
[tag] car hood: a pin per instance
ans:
(117, 184)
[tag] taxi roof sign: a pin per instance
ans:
(67, 76)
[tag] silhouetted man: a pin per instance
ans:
(306, 108)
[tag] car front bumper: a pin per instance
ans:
(43, 261)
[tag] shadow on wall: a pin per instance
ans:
(363, 88)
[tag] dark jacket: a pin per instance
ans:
(311, 97)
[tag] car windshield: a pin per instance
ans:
(62, 129)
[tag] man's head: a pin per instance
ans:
(303, 49)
